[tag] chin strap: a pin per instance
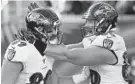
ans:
(26, 35)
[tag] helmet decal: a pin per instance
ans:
(38, 18)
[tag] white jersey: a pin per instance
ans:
(34, 64)
(107, 73)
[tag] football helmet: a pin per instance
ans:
(100, 18)
(44, 24)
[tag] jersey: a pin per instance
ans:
(108, 73)
(34, 69)
(85, 74)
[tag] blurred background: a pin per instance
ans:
(70, 13)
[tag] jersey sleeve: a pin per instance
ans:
(115, 44)
(16, 51)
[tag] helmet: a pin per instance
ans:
(44, 24)
(100, 18)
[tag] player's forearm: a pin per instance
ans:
(58, 57)
(90, 56)
(93, 55)
(77, 45)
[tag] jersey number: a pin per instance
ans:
(36, 78)
(95, 77)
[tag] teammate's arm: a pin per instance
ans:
(76, 45)
(70, 46)
(93, 55)
(10, 72)
(90, 56)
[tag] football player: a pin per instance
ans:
(59, 66)
(24, 60)
(104, 51)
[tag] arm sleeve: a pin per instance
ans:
(78, 78)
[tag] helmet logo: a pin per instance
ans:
(38, 18)
(104, 11)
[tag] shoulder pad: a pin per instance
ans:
(110, 42)
(16, 51)
(19, 43)
(103, 41)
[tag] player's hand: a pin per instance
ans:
(33, 6)
(53, 50)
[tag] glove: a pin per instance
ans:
(25, 35)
